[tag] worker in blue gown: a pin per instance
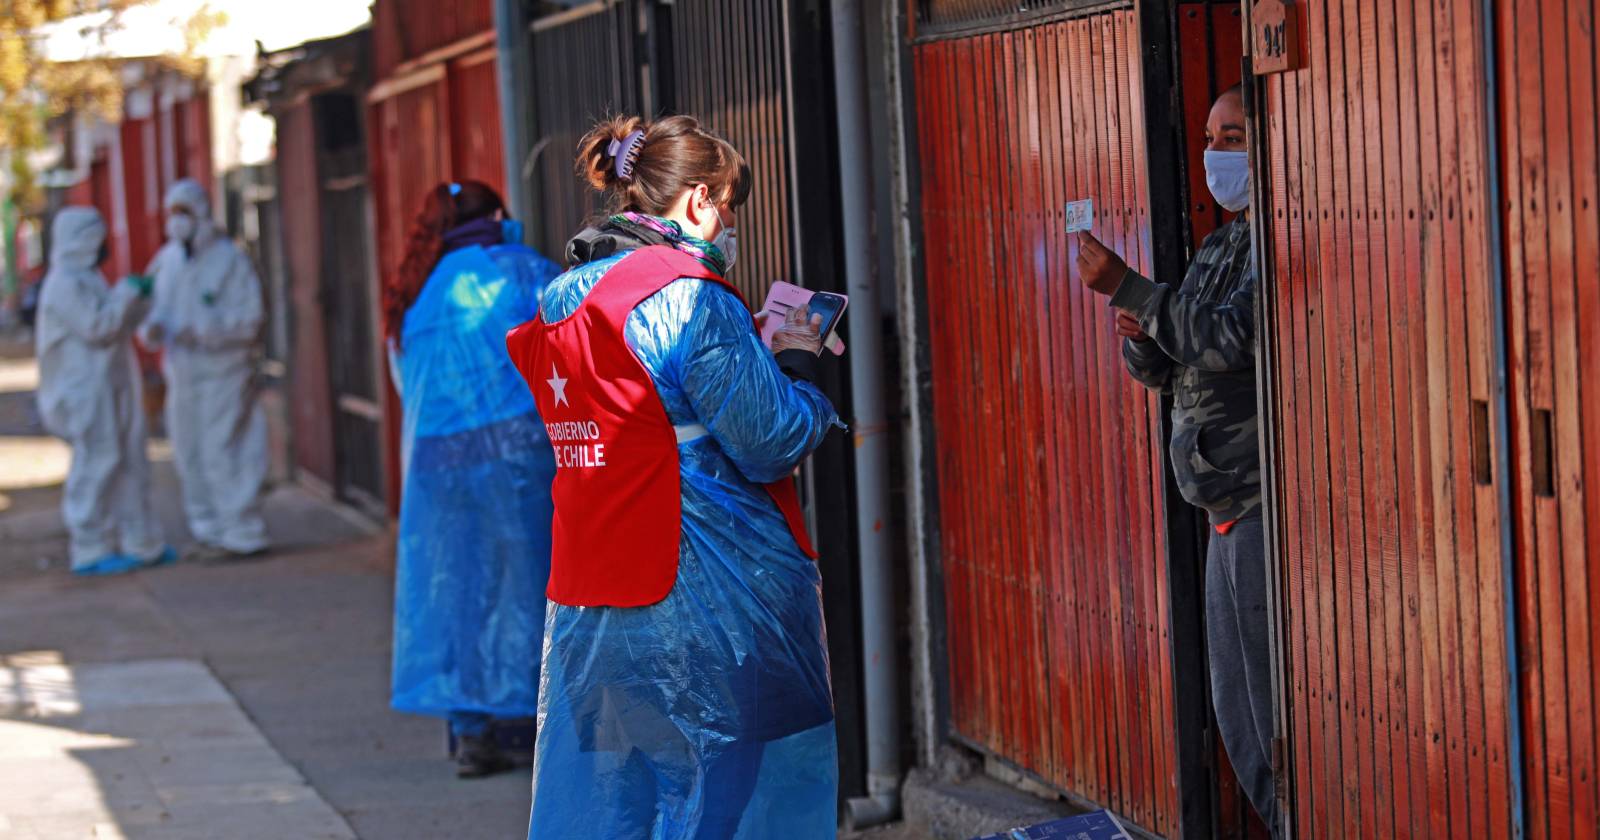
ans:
(473, 548)
(707, 713)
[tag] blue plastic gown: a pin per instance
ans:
(474, 543)
(708, 715)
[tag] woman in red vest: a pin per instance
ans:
(685, 685)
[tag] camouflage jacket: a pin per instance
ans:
(1202, 350)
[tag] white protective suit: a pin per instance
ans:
(207, 318)
(90, 396)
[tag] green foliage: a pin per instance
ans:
(33, 90)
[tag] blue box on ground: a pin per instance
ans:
(1100, 825)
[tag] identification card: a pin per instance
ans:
(1080, 215)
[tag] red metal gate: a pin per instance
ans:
(1389, 509)
(1546, 61)
(1049, 469)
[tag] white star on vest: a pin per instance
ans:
(558, 385)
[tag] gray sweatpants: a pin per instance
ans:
(1241, 666)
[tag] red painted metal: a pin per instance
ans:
(1058, 642)
(1546, 64)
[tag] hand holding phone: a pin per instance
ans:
(801, 330)
(785, 299)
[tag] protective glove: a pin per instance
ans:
(143, 284)
(800, 331)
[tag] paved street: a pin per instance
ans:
(246, 700)
(235, 701)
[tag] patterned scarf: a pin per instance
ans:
(658, 228)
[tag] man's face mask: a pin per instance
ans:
(180, 226)
(1228, 177)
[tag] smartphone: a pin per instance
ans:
(783, 298)
(831, 307)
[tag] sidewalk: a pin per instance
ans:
(240, 701)
(237, 701)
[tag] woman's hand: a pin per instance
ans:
(800, 331)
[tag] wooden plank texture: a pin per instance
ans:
(1058, 650)
(1547, 69)
(1395, 640)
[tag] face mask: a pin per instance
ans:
(728, 243)
(1228, 177)
(511, 232)
(180, 227)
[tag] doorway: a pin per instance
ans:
(349, 306)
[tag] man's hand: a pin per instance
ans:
(1098, 266)
(1128, 327)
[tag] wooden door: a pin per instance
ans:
(1378, 306)
(1049, 464)
(1546, 63)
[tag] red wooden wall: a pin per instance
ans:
(474, 117)
(299, 192)
(430, 122)
(127, 177)
(1547, 66)
(1385, 347)
(406, 30)
(1048, 454)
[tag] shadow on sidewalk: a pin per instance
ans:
(299, 638)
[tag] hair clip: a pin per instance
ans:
(455, 189)
(625, 153)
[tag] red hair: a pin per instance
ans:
(447, 206)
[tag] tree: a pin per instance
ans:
(34, 90)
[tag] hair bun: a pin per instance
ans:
(596, 164)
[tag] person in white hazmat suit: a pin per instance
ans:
(90, 396)
(207, 318)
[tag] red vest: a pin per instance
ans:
(618, 503)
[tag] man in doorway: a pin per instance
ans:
(1197, 342)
